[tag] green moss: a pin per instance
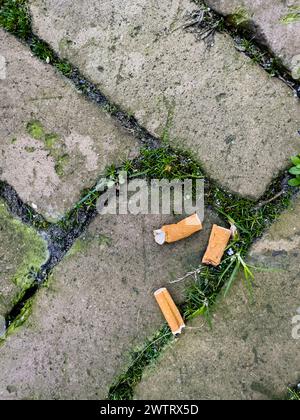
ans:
(292, 16)
(79, 246)
(51, 140)
(61, 162)
(104, 240)
(32, 246)
(24, 251)
(36, 130)
(240, 17)
(53, 144)
(82, 244)
(142, 357)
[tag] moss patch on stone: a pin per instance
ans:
(82, 244)
(19, 320)
(23, 252)
(53, 144)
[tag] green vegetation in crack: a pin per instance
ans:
(292, 16)
(295, 170)
(15, 18)
(240, 18)
(250, 218)
(52, 144)
(293, 394)
(142, 357)
(36, 130)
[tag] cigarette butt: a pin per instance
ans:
(218, 242)
(169, 310)
(176, 232)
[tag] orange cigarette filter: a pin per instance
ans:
(218, 242)
(169, 310)
(181, 230)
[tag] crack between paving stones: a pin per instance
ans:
(259, 53)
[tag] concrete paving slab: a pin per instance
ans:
(53, 143)
(241, 124)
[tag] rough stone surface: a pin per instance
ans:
(98, 307)
(53, 143)
(215, 101)
(21, 252)
(274, 23)
(250, 353)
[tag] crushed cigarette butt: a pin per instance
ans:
(218, 242)
(176, 232)
(169, 310)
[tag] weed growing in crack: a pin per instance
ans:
(204, 23)
(14, 17)
(295, 170)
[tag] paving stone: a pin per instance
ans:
(275, 24)
(250, 353)
(22, 251)
(241, 124)
(53, 143)
(98, 307)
